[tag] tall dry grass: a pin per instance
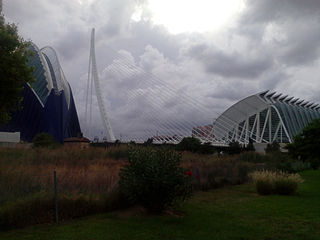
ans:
(86, 179)
(276, 182)
(89, 171)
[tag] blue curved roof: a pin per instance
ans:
(48, 104)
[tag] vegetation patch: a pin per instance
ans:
(269, 182)
(154, 179)
(230, 213)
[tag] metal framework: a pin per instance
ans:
(264, 118)
(93, 79)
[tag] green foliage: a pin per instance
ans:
(117, 152)
(154, 179)
(44, 140)
(148, 142)
(250, 146)
(219, 173)
(273, 147)
(306, 145)
(191, 144)
(207, 148)
(194, 145)
(274, 161)
(234, 148)
(252, 157)
(14, 70)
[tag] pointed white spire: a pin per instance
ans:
(93, 78)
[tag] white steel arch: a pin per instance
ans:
(265, 117)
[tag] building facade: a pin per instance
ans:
(265, 117)
(48, 104)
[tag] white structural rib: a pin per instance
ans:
(94, 72)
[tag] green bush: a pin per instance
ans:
(252, 157)
(44, 140)
(305, 145)
(285, 186)
(207, 148)
(273, 147)
(234, 148)
(154, 179)
(314, 163)
(190, 144)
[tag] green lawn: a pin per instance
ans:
(230, 213)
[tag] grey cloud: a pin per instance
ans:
(143, 33)
(72, 43)
(298, 22)
(302, 45)
(112, 17)
(231, 64)
(275, 10)
(273, 79)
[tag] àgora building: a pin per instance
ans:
(48, 104)
(265, 117)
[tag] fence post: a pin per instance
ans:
(55, 195)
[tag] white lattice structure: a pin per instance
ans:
(264, 118)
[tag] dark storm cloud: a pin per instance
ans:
(297, 21)
(230, 64)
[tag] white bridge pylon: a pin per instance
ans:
(93, 79)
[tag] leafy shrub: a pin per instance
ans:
(305, 145)
(44, 140)
(250, 147)
(154, 179)
(269, 182)
(234, 148)
(273, 147)
(194, 145)
(314, 163)
(117, 152)
(274, 161)
(216, 172)
(207, 148)
(191, 144)
(252, 157)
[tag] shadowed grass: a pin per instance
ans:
(234, 212)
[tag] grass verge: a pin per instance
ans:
(234, 212)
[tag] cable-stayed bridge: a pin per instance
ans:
(153, 107)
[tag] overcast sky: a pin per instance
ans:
(162, 59)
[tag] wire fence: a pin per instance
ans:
(67, 193)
